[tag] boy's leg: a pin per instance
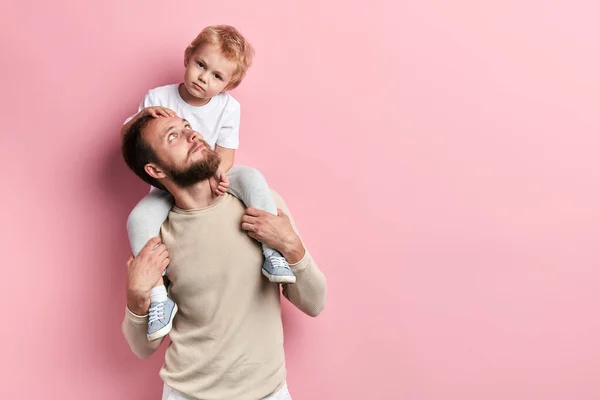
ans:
(161, 313)
(144, 223)
(147, 217)
(248, 185)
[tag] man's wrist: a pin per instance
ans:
(138, 304)
(294, 252)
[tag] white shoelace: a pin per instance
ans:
(278, 262)
(157, 311)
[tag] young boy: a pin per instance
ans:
(215, 62)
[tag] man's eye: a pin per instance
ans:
(188, 127)
(172, 136)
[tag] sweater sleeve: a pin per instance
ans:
(134, 329)
(309, 292)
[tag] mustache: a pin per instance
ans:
(200, 142)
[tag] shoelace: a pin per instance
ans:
(157, 311)
(278, 262)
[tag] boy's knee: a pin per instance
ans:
(251, 175)
(136, 216)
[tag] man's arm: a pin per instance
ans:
(309, 292)
(143, 272)
(134, 329)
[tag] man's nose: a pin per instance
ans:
(193, 136)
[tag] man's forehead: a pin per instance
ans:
(162, 125)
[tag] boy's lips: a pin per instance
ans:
(198, 86)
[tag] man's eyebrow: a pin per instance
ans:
(169, 129)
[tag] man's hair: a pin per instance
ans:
(137, 152)
(231, 43)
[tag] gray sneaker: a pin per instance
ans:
(277, 269)
(160, 318)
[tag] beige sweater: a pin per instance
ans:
(227, 337)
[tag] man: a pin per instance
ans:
(227, 337)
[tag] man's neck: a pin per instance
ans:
(193, 197)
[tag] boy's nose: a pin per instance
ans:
(202, 76)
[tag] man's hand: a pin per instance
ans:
(275, 231)
(157, 111)
(143, 273)
(219, 183)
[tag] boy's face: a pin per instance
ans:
(207, 73)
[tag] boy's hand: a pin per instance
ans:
(219, 183)
(158, 111)
(154, 112)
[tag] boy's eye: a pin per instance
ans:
(218, 77)
(200, 64)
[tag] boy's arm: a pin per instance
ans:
(229, 134)
(156, 111)
(227, 142)
(129, 122)
(227, 157)
(219, 183)
(146, 102)
(148, 106)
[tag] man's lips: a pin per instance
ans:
(197, 147)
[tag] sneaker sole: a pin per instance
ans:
(279, 278)
(163, 331)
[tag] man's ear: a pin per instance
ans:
(154, 171)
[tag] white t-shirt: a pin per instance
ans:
(218, 120)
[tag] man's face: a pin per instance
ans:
(184, 157)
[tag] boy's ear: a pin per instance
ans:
(186, 57)
(154, 171)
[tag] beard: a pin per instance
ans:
(200, 171)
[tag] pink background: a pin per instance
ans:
(440, 159)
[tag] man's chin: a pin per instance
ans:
(201, 170)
